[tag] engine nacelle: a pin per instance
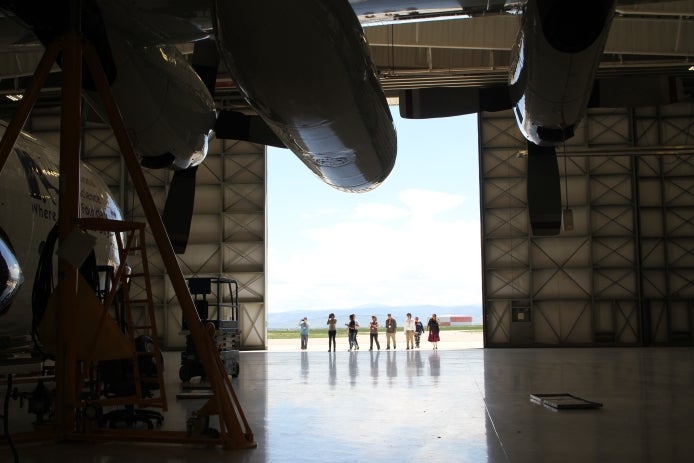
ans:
(11, 276)
(166, 107)
(556, 58)
(304, 66)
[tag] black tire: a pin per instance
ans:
(184, 373)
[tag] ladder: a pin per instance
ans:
(144, 327)
(137, 320)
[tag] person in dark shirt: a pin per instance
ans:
(373, 333)
(332, 331)
(433, 327)
(304, 326)
(391, 327)
(418, 330)
(353, 328)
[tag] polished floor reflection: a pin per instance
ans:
(469, 405)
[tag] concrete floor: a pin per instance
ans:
(468, 405)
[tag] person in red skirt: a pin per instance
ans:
(433, 328)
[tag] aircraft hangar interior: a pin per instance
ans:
(587, 278)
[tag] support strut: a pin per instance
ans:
(235, 431)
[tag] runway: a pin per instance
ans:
(450, 340)
(446, 405)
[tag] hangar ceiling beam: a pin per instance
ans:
(633, 35)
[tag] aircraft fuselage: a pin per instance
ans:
(29, 210)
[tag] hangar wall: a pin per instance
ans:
(228, 236)
(625, 274)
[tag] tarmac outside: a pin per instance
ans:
(450, 340)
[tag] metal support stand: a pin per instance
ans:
(235, 431)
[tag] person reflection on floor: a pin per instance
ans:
(304, 366)
(434, 364)
(332, 368)
(353, 368)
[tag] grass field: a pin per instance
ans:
(341, 333)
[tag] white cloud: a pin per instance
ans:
(418, 251)
(429, 203)
(379, 212)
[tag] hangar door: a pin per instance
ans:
(624, 275)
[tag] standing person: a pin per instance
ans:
(373, 333)
(304, 325)
(418, 330)
(409, 331)
(332, 332)
(391, 326)
(353, 328)
(433, 327)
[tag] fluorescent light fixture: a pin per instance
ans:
(16, 97)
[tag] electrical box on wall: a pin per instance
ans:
(521, 323)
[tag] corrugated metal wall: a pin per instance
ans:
(228, 236)
(625, 274)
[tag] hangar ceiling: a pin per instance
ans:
(230, 236)
(657, 38)
(654, 37)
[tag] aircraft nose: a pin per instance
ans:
(11, 277)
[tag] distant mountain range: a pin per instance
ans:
(318, 319)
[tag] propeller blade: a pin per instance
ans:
(544, 190)
(178, 210)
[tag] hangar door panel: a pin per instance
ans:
(668, 244)
(228, 236)
(624, 274)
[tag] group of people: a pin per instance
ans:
(413, 329)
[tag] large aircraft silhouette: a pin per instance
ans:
(304, 70)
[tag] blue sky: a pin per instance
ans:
(413, 240)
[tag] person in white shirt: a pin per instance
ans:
(409, 331)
